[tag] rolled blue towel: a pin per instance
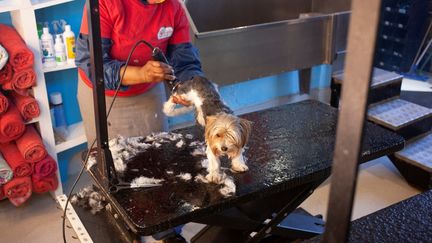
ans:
(4, 56)
(6, 173)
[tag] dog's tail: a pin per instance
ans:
(170, 109)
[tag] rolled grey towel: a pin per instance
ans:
(6, 173)
(4, 56)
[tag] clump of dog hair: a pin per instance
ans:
(184, 176)
(143, 181)
(89, 198)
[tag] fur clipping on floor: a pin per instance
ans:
(89, 198)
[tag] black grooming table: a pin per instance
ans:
(290, 146)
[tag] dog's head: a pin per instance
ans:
(227, 134)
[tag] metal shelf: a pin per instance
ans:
(8, 5)
(59, 68)
(38, 4)
(75, 137)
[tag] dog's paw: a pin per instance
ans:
(239, 167)
(215, 177)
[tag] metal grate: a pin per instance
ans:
(420, 151)
(397, 113)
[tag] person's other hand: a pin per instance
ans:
(154, 71)
(179, 100)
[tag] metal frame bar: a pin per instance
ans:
(105, 163)
(349, 134)
(283, 213)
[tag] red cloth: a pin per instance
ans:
(16, 162)
(18, 190)
(11, 125)
(45, 184)
(31, 146)
(44, 168)
(24, 79)
(27, 105)
(4, 103)
(2, 195)
(21, 81)
(6, 74)
(20, 56)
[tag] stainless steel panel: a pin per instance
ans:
(250, 54)
(242, 40)
(330, 6)
(226, 14)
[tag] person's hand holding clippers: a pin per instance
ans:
(152, 71)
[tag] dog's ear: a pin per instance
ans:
(210, 121)
(246, 128)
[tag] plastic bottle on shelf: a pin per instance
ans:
(58, 115)
(69, 41)
(47, 44)
(60, 54)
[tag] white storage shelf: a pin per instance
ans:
(12, 5)
(76, 136)
(9, 5)
(23, 18)
(58, 68)
(38, 4)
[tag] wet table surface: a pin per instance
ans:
(290, 145)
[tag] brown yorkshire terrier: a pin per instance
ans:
(225, 133)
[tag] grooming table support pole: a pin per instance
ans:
(349, 134)
(105, 163)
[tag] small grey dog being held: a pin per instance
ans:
(225, 133)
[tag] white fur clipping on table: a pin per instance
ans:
(143, 181)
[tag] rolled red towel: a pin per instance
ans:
(4, 103)
(15, 160)
(18, 190)
(20, 56)
(27, 105)
(31, 146)
(46, 184)
(6, 74)
(2, 195)
(11, 125)
(44, 168)
(24, 79)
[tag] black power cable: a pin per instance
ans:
(155, 50)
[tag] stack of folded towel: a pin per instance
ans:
(25, 165)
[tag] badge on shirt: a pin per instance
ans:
(165, 32)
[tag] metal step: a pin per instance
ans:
(380, 77)
(385, 85)
(415, 161)
(405, 118)
(420, 152)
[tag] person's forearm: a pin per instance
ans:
(132, 75)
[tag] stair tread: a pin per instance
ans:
(380, 77)
(397, 113)
(418, 152)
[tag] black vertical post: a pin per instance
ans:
(105, 164)
(353, 106)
